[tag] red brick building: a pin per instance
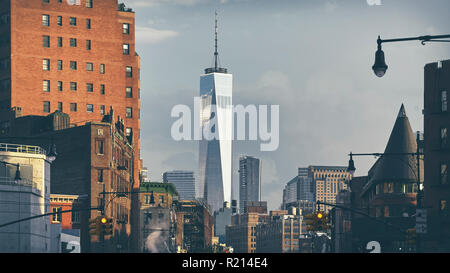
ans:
(437, 156)
(65, 202)
(76, 58)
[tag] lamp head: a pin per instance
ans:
(351, 165)
(17, 177)
(380, 66)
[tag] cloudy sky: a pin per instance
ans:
(311, 57)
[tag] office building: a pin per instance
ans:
(215, 147)
(77, 57)
(249, 180)
(184, 182)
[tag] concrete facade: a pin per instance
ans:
(25, 198)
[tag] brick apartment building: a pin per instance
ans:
(437, 156)
(77, 57)
(93, 158)
(241, 234)
(281, 233)
(194, 226)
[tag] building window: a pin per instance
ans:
(444, 142)
(128, 132)
(129, 92)
(129, 112)
(75, 217)
(89, 108)
(73, 42)
(102, 69)
(46, 20)
(60, 65)
(88, 23)
(46, 86)
(89, 87)
(73, 21)
(125, 28)
(46, 41)
(89, 67)
(88, 44)
(46, 64)
(59, 20)
(444, 176)
(46, 107)
(100, 148)
(73, 107)
(102, 89)
(102, 109)
(444, 101)
(60, 106)
(100, 175)
(56, 218)
(126, 49)
(386, 211)
(46, 1)
(73, 65)
(129, 72)
(88, 3)
(73, 86)
(60, 42)
(60, 86)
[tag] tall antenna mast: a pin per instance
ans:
(216, 54)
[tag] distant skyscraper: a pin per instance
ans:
(249, 180)
(216, 116)
(315, 183)
(184, 183)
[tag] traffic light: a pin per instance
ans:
(94, 226)
(317, 221)
(106, 225)
(319, 218)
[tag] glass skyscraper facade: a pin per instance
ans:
(249, 180)
(215, 157)
(184, 182)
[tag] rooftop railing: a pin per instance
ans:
(19, 148)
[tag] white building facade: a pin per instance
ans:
(27, 197)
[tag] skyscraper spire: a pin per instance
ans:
(216, 53)
(216, 67)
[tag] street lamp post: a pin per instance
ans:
(380, 66)
(351, 168)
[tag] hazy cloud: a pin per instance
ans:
(149, 35)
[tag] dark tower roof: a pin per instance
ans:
(397, 167)
(216, 68)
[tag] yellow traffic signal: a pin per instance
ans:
(319, 215)
(106, 225)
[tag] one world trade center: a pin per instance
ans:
(216, 121)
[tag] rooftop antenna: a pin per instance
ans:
(216, 54)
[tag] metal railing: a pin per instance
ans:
(19, 148)
(23, 182)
